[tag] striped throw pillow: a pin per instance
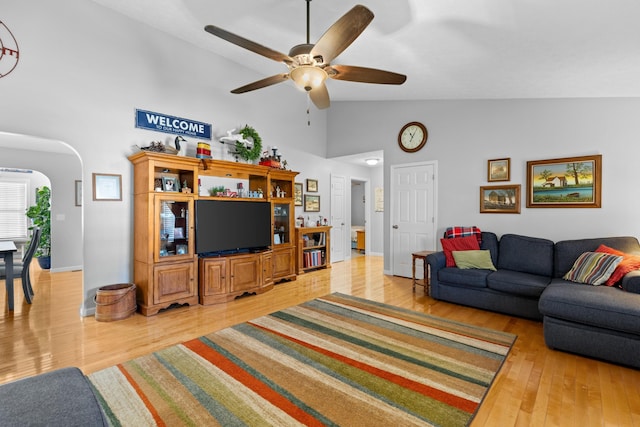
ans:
(593, 268)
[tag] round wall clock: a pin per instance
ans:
(412, 137)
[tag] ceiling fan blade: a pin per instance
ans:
(365, 75)
(248, 44)
(342, 33)
(320, 97)
(278, 78)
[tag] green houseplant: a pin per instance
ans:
(40, 215)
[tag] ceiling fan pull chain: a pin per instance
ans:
(308, 110)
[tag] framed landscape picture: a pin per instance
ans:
(297, 194)
(571, 182)
(499, 170)
(311, 203)
(500, 199)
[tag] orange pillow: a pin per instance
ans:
(628, 263)
(467, 243)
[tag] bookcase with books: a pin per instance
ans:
(313, 248)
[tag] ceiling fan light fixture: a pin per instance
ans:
(308, 77)
(371, 162)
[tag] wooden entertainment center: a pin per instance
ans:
(167, 270)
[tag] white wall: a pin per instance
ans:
(84, 70)
(463, 135)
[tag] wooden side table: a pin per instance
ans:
(426, 282)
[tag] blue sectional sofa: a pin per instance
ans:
(597, 321)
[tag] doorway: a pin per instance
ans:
(413, 222)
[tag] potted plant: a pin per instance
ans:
(40, 215)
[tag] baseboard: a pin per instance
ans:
(70, 268)
(87, 311)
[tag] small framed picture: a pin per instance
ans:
(178, 233)
(312, 185)
(170, 184)
(78, 193)
(311, 203)
(499, 170)
(297, 194)
(500, 199)
(107, 187)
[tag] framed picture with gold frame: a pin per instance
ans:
(499, 170)
(570, 182)
(500, 199)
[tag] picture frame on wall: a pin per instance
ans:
(312, 185)
(297, 194)
(500, 199)
(78, 193)
(499, 170)
(107, 187)
(311, 203)
(569, 182)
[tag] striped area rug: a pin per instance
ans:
(335, 360)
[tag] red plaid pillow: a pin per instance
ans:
(453, 232)
(467, 243)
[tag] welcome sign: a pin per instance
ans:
(171, 124)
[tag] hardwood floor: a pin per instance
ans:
(535, 387)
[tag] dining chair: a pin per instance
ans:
(22, 267)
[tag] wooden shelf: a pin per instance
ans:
(166, 277)
(315, 256)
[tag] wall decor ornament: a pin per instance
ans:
(312, 185)
(500, 199)
(570, 182)
(9, 52)
(107, 187)
(499, 170)
(252, 153)
(311, 203)
(297, 194)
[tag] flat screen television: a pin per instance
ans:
(230, 225)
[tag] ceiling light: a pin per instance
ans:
(371, 162)
(308, 77)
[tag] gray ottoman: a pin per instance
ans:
(59, 398)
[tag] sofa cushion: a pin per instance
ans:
(518, 283)
(600, 306)
(466, 278)
(631, 282)
(458, 244)
(629, 263)
(567, 251)
(526, 254)
(474, 259)
(593, 268)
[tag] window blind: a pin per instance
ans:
(13, 207)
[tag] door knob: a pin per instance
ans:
(395, 227)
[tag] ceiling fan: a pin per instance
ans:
(310, 64)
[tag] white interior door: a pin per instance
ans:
(413, 206)
(338, 217)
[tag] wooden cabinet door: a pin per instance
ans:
(283, 262)
(173, 281)
(213, 275)
(267, 269)
(245, 273)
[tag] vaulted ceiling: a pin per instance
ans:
(463, 49)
